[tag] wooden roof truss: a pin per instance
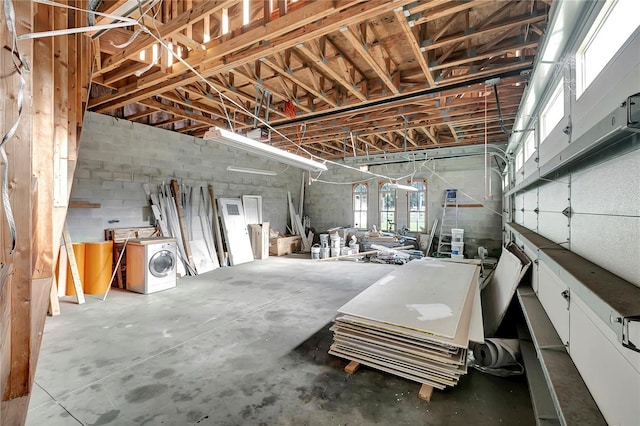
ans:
(391, 76)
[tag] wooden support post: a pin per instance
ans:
(352, 367)
(73, 265)
(183, 226)
(216, 228)
(425, 392)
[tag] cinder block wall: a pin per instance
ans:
(329, 205)
(117, 156)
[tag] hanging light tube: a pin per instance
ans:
(405, 187)
(235, 140)
(251, 171)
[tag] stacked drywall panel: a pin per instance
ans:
(415, 323)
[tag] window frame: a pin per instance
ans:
(556, 98)
(519, 159)
(386, 189)
(358, 213)
(599, 28)
(529, 146)
(411, 194)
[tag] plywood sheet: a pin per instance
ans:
(424, 295)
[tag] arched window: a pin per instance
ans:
(417, 207)
(387, 207)
(360, 205)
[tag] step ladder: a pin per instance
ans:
(449, 221)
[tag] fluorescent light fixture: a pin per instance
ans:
(226, 137)
(405, 187)
(252, 171)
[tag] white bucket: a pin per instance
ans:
(457, 235)
(457, 256)
(315, 252)
(355, 248)
(324, 252)
(324, 240)
(335, 243)
(345, 251)
(457, 249)
(335, 252)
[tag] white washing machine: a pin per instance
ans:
(151, 264)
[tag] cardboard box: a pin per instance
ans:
(285, 245)
(259, 236)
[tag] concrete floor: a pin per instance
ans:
(240, 345)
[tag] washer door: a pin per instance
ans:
(162, 263)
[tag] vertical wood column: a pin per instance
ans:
(19, 152)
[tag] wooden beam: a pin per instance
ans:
(23, 198)
(297, 29)
(289, 74)
(322, 64)
(429, 133)
(181, 113)
(453, 132)
(163, 31)
(363, 50)
(406, 28)
(141, 114)
(432, 14)
(216, 228)
(497, 52)
(471, 33)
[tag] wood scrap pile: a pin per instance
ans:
(186, 214)
(415, 323)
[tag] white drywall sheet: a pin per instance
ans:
(424, 295)
(235, 230)
(497, 295)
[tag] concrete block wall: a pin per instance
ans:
(329, 205)
(117, 156)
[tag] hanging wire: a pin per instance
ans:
(485, 142)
